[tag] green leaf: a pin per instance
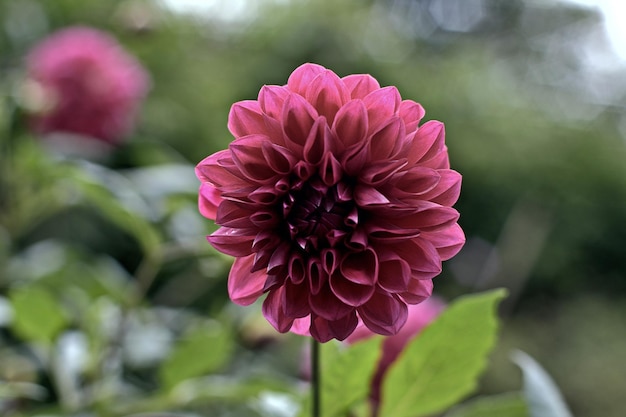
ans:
(502, 405)
(110, 206)
(38, 315)
(442, 365)
(346, 374)
(201, 351)
(542, 394)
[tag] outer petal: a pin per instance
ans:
(327, 94)
(302, 76)
(447, 190)
(360, 85)
(411, 112)
(350, 124)
(297, 118)
(246, 118)
(273, 311)
(448, 242)
(384, 314)
(426, 143)
(233, 242)
(208, 200)
(244, 287)
(381, 105)
(272, 99)
(419, 290)
(324, 330)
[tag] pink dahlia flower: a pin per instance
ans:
(334, 201)
(419, 316)
(91, 86)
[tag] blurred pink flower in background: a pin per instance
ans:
(86, 83)
(334, 201)
(420, 316)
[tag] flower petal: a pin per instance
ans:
(273, 311)
(327, 305)
(381, 105)
(426, 142)
(360, 267)
(384, 313)
(418, 291)
(349, 292)
(448, 242)
(295, 300)
(327, 94)
(272, 98)
(301, 77)
(246, 118)
(244, 287)
(297, 120)
(324, 330)
(208, 200)
(386, 142)
(360, 85)
(447, 190)
(233, 242)
(411, 112)
(350, 125)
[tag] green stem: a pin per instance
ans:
(315, 379)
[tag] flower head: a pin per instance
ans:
(334, 201)
(90, 84)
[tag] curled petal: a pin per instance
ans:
(379, 172)
(235, 215)
(386, 142)
(295, 300)
(248, 156)
(273, 310)
(414, 183)
(384, 313)
(447, 190)
(233, 242)
(421, 256)
(394, 274)
(318, 142)
(360, 267)
(411, 112)
(327, 94)
(327, 305)
(418, 291)
(426, 142)
(350, 125)
(280, 159)
(427, 217)
(331, 171)
(220, 170)
(272, 99)
(324, 330)
(208, 200)
(244, 287)
(381, 105)
(448, 242)
(297, 120)
(360, 85)
(349, 292)
(302, 76)
(369, 196)
(246, 118)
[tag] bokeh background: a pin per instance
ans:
(110, 297)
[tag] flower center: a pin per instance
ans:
(317, 214)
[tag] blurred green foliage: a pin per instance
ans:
(91, 241)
